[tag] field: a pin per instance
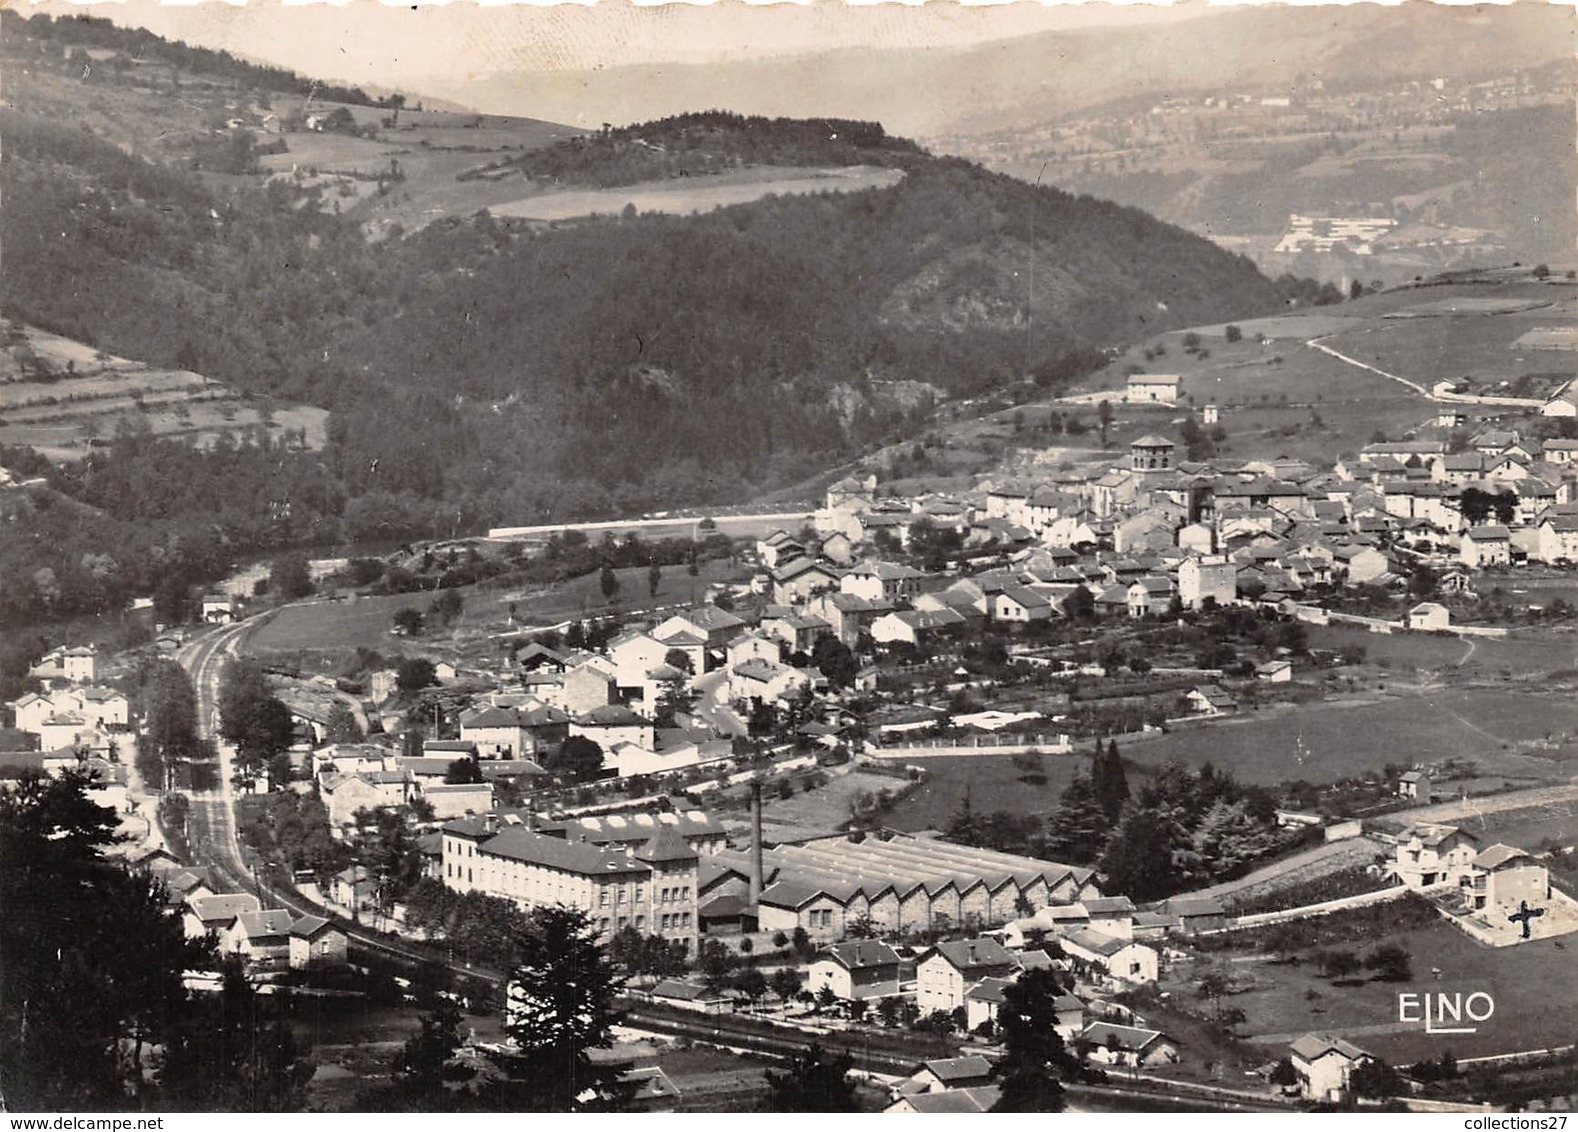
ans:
(1523, 655)
(1532, 1010)
(825, 808)
(993, 783)
(367, 621)
(91, 395)
(1478, 346)
(698, 194)
(1282, 397)
(1504, 731)
(1332, 740)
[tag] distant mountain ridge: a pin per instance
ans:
(1009, 83)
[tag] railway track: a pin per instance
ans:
(211, 821)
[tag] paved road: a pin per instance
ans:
(1443, 398)
(712, 705)
(1332, 857)
(1465, 809)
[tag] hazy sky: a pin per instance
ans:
(386, 44)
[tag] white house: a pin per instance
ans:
(1323, 1063)
(1123, 960)
(944, 973)
(219, 609)
(1108, 1043)
(1021, 605)
(1564, 404)
(1207, 579)
(1432, 854)
(1428, 616)
(1503, 877)
(856, 969)
(913, 626)
(1558, 537)
(1486, 546)
(1275, 672)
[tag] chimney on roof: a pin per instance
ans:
(756, 841)
(970, 953)
(531, 820)
(490, 822)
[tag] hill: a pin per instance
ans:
(490, 371)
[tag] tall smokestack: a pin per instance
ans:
(756, 840)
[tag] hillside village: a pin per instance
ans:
(1023, 705)
(642, 767)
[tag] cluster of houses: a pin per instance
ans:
(1489, 884)
(71, 713)
(268, 940)
(1158, 532)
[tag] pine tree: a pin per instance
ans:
(1139, 859)
(1108, 782)
(1029, 1073)
(561, 1004)
(1079, 828)
(816, 1081)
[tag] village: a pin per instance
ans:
(717, 776)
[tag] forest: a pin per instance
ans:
(693, 145)
(56, 36)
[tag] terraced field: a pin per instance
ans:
(60, 396)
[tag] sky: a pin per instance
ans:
(369, 42)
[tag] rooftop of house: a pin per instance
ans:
(1114, 1036)
(1312, 1047)
(959, 1070)
(262, 925)
(972, 954)
(952, 1101)
(224, 907)
(1498, 855)
(862, 954)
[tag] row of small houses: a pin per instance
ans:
(268, 940)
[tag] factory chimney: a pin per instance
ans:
(756, 841)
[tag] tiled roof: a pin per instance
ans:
(1312, 1047)
(861, 954)
(973, 954)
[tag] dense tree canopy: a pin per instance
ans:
(91, 979)
(561, 1005)
(251, 716)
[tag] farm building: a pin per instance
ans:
(1415, 785)
(1429, 616)
(1153, 389)
(1121, 960)
(902, 886)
